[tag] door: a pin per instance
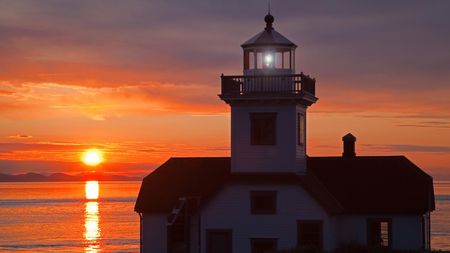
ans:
(263, 245)
(310, 234)
(218, 241)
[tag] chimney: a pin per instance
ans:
(349, 145)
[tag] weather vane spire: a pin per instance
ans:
(268, 18)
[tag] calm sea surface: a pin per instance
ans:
(57, 217)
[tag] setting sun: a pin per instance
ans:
(92, 157)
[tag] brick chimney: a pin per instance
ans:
(349, 145)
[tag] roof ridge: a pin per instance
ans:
(359, 156)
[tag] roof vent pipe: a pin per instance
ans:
(349, 145)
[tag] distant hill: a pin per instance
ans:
(61, 177)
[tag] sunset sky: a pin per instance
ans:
(139, 79)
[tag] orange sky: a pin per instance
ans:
(140, 81)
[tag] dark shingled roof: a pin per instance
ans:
(377, 184)
(181, 177)
(268, 38)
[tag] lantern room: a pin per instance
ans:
(269, 52)
(269, 71)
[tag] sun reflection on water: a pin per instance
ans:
(92, 190)
(92, 231)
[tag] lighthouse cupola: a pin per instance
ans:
(269, 52)
(268, 106)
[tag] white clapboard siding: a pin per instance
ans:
(406, 230)
(230, 209)
(154, 233)
(285, 156)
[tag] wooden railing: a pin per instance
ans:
(267, 84)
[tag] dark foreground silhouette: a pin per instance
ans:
(357, 249)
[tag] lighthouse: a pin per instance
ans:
(269, 195)
(268, 106)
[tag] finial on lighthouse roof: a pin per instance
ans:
(269, 19)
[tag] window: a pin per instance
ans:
(279, 60)
(286, 60)
(246, 59)
(301, 129)
(263, 128)
(263, 245)
(259, 60)
(252, 60)
(309, 234)
(218, 241)
(263, 202)
(379, 232)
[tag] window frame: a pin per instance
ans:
(369, 232)
(272, 210)
(272, 116)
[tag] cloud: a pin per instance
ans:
(345, 41)
(45, 100)
(45, 150)
(350, 48)
(20, 136)
(428, 124)
(114, 152)
(48, 167)
(8, 147)
(408, 148)
(114, 76)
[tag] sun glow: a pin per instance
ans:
(92, 190)
(92, 157)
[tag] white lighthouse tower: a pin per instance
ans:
(268, 106)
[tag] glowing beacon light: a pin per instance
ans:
(268, 53)
(268, 60)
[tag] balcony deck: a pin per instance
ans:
(297, 86)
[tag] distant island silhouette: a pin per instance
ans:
(61, 177)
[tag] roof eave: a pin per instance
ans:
(256, 45)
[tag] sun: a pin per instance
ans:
(92, 157)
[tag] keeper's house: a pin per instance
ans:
(269, 194)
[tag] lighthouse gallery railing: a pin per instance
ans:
(267, 84)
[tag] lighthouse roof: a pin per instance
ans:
(362, 184)
(268, 37)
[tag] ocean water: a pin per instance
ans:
(440, 218)
(59, 217)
